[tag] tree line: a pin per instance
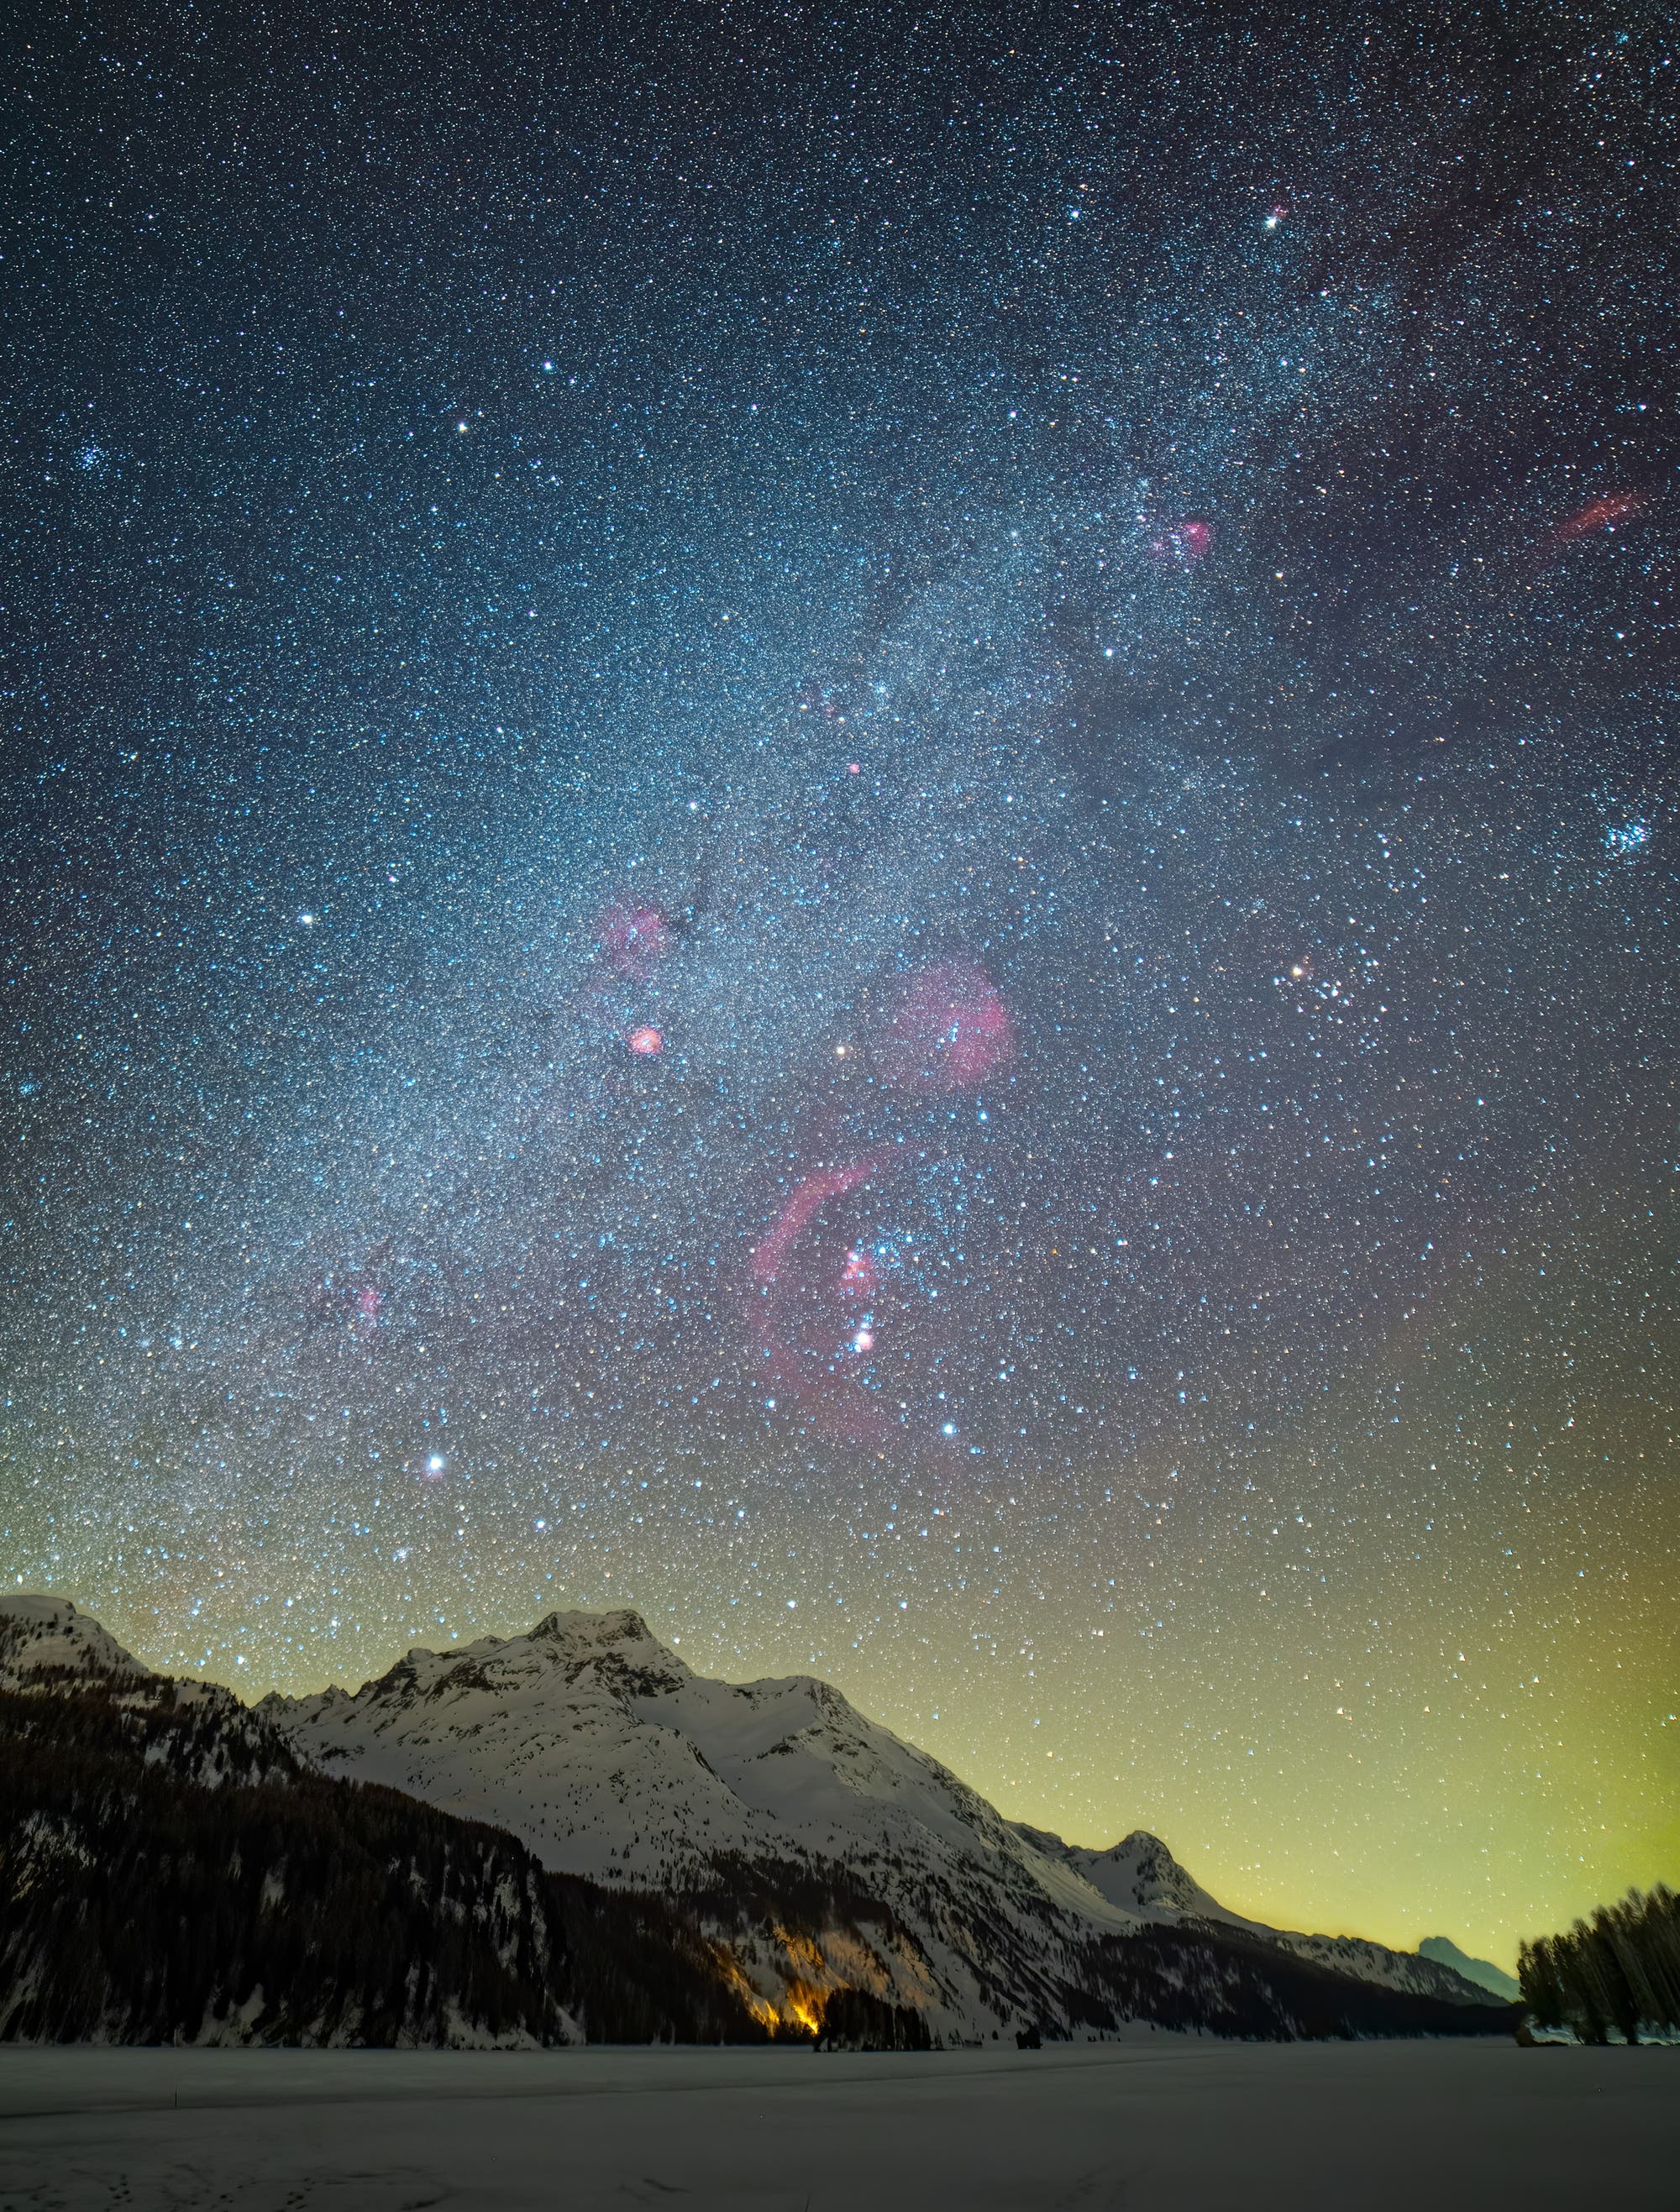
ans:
(1620, 1969)
(138, 1906)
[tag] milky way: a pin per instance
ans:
(870, 835)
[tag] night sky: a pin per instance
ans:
(863, 824)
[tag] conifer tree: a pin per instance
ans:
(1621, 1970)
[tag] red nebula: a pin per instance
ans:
(635, 939)
(1600, 513)
(1603, 513)
(805, 1203)
(646, 1042)
(836, 1405)
(369, 1300)
(1182, 543)
(951, 1031)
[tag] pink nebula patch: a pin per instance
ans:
(1182, 542)
(951, 1031)
(831, 1403)
(805, 1202)
(1607, 512)
(635, 939)
(646, 1042)
(1600, 513)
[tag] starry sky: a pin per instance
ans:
(861, 823)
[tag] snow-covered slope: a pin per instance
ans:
(1483, 1972)
(46, 1638)
(1140, 1876)
(611, 1758)
(171, 1871)
(1375, 1962)
(48, 1647)
(617, 1761)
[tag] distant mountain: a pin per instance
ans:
(1141, 1876)
(171, 1872)
(822, 1852)
(1481, 1972)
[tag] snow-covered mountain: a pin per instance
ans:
(611, 1758)
(788, 1848)
(46, 1639)
(48, 1647)
(1141, 1876)
(1483, 1972)
(1138, 1874)
(171, 1871)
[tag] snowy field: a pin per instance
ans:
(1155, 2122)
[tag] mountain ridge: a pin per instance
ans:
(171, 1871)
(1483, 1972)
(806, 1845)
(610, 1756)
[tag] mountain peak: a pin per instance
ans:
(1140, 1842)
(615, 1650)
(1139, 1873)
(616, 1644)
(1150, 1875)
(1481, 1972)
(44, 1637)
(622, 1625)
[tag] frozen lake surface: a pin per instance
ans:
(1154, 2122)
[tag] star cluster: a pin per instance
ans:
(862, 824)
